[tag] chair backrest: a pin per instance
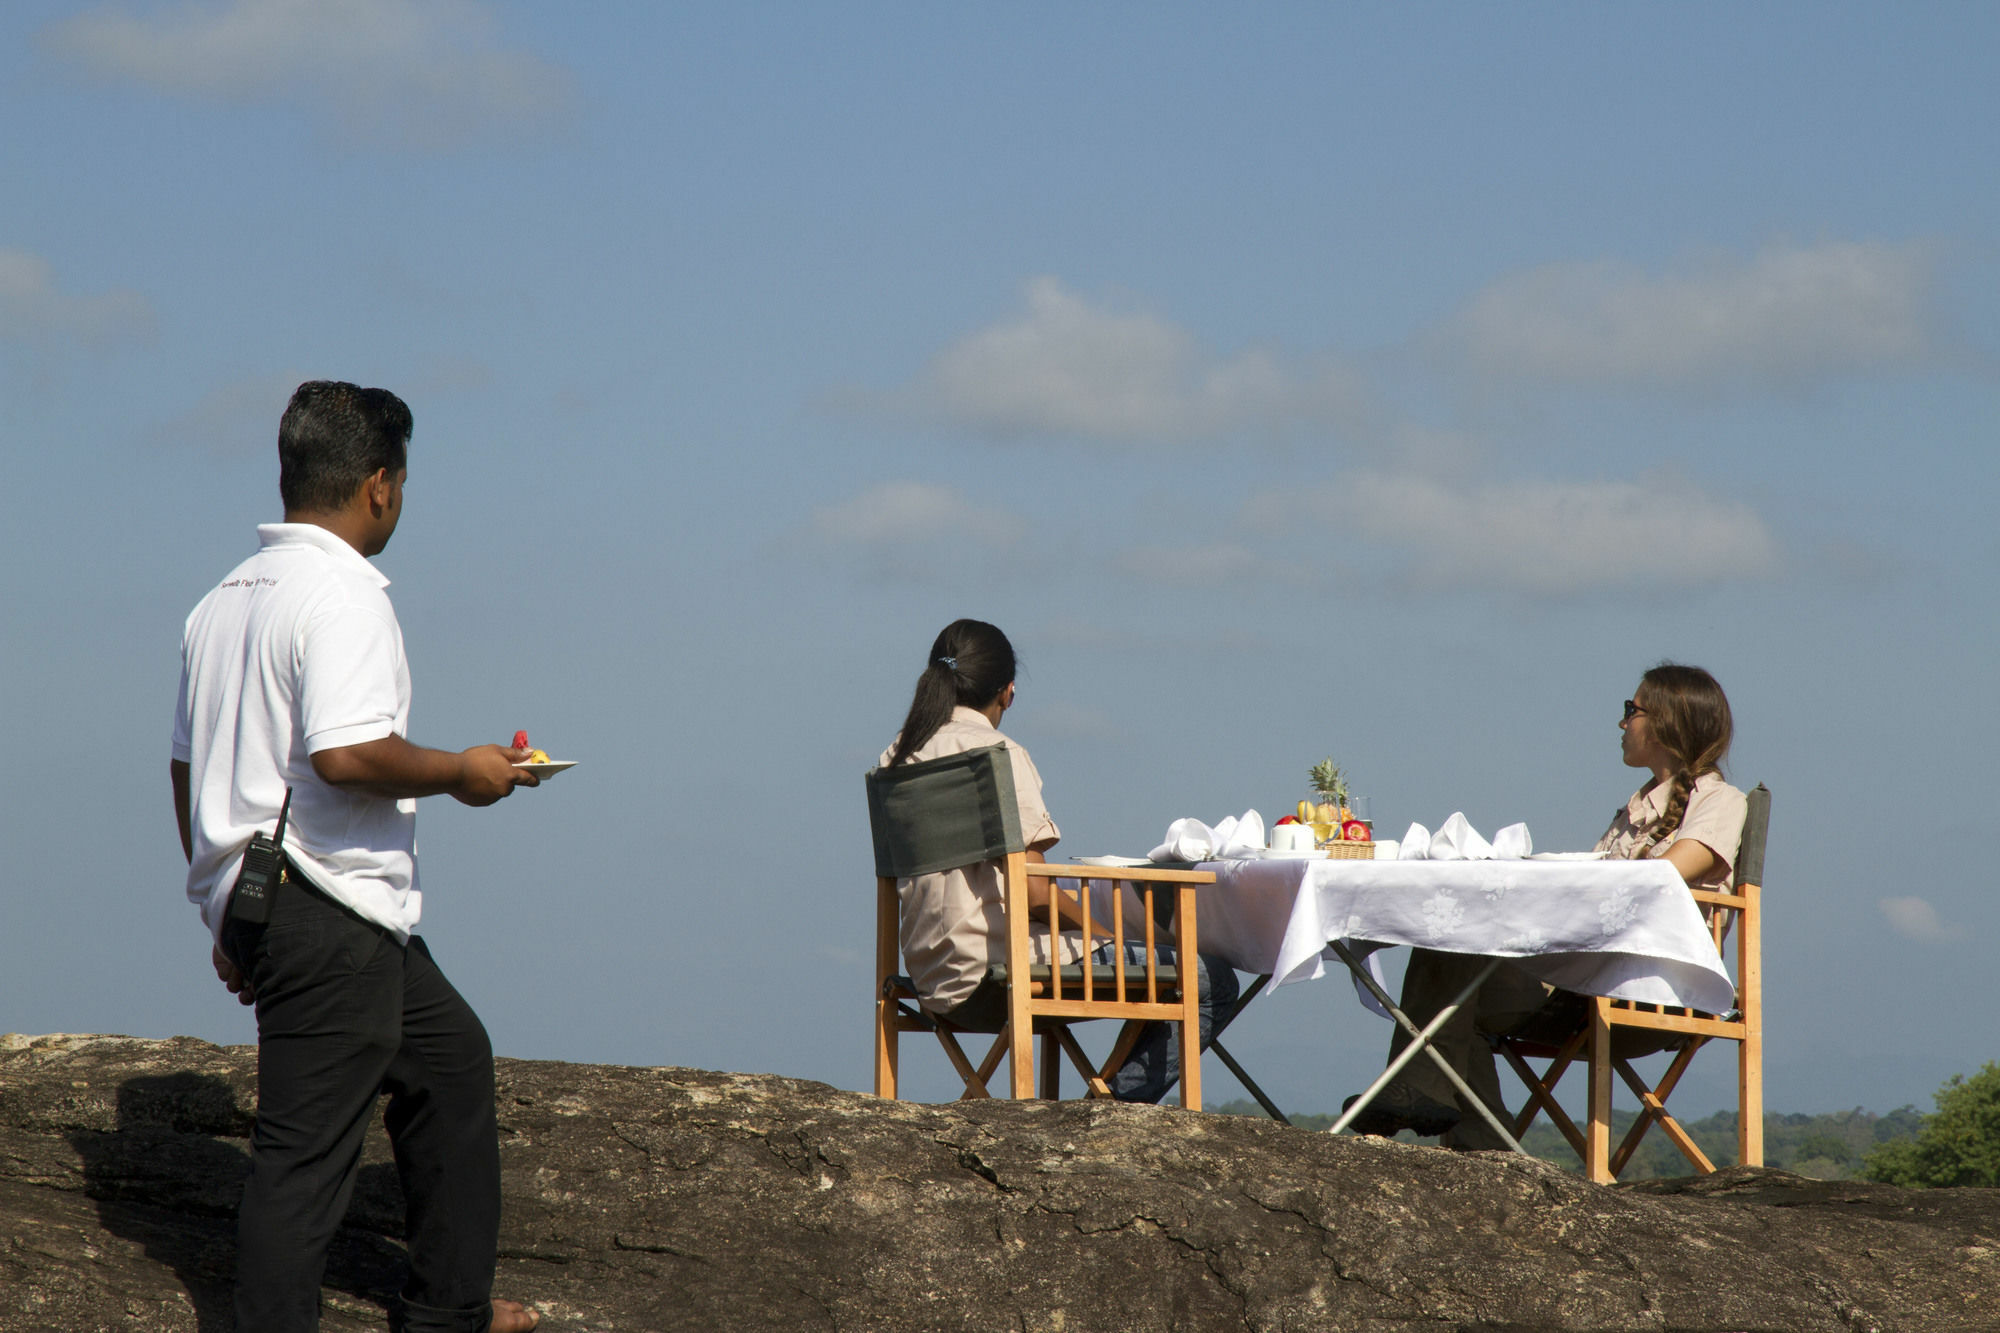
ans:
(1724, 912)
(1750, 848)
(940, 813)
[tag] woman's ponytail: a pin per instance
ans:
(970, 663)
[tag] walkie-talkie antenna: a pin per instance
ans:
(284, 813)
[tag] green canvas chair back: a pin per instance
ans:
(940, 813)
(1750, 848)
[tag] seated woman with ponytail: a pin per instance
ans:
(1678, 725)
(953, 923)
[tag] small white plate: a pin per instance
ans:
(1127, 861)
(550, 769)
(1566, 856)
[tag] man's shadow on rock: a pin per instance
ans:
(170, 1177)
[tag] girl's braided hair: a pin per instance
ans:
(1689, 715)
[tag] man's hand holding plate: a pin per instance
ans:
(490, 774)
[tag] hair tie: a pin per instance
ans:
(951, 662)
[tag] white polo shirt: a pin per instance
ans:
(297, 651)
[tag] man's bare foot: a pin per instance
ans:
(513, 1317)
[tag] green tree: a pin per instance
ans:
(1959, 1145)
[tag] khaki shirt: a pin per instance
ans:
(954, 922)
(1714, 818)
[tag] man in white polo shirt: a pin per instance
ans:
(293, 677)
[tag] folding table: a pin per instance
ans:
(1624, 929)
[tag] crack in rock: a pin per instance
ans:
(971, 1161)
(621, 1242)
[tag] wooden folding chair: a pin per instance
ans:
(1616, 1031)
(960, 810)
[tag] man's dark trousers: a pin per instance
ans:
(345, 1013)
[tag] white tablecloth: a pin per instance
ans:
(1626, 929)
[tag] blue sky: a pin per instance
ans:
(1389, 382)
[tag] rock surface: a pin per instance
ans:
(671, 1199)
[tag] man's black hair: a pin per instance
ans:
(333, 437)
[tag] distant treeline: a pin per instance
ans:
(1825, 1147)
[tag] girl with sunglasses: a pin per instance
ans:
(1677, 725)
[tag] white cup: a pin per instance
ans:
(1291, 837)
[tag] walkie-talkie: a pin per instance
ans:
(263, 869)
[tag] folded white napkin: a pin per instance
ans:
(1513, 843)
(1459, 841)
(1192, 840)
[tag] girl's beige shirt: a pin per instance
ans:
(1714, 818)
(953, 923)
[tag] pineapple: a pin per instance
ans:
(1329, 803)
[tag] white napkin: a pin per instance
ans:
(1513, 843)
(1459, 841)
(1192, 840)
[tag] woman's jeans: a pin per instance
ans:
(1155, 1063)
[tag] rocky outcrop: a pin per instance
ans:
(677, 1199)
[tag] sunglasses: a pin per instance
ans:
(1632, 710)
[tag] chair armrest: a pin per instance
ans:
(1167, 916)
(1142, 874)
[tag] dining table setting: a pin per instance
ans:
(1316, 887)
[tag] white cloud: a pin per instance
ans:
(237, 418)
(1789, 314)
(1066, 366)
(1915, 919)
(1071, 722)
(1191, 566)
(1550, 538)
(903, 513)
(915, 531)
(241, 417)
(34, 310)
(423, 73)
(450, 374)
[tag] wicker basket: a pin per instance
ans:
(1349, 851)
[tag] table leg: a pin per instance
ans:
(1243, 998)
(1420, 1040)
(1222, 1021)
(1250, 1084)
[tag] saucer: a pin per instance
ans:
(548, 770)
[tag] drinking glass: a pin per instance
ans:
(1362, 808)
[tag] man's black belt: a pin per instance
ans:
(290, 877)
